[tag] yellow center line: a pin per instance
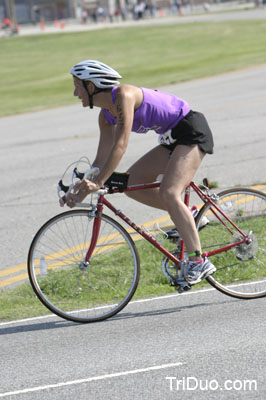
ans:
(12, 270)
(13, 279)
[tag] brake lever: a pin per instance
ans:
(91, 172)
(77, 174)
(65, 189)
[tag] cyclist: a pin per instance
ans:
(184, 139)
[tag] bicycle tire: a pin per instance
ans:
(59, 279)
(241, 271)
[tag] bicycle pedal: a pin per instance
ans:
(183, 289)
(182, 286)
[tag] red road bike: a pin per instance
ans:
(84, 266)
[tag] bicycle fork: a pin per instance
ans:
(95, 231)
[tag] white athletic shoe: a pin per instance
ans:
(195, 272)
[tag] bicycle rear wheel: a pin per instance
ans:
(241, 271)
(69, 288)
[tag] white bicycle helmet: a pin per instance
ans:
(100, 74)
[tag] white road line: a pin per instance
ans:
(130, 303)
(92, 379)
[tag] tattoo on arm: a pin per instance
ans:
(120, 115)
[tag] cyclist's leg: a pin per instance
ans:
(184, 162)
(178, 171)
(146, 170)
(181, 168)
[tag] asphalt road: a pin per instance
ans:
(214, 346)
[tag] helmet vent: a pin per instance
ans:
(100, 74)
(95, 73)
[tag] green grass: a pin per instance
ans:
(19, 303)
(35, 69)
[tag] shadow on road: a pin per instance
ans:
(164, 311)
(60, 323)
(37, 327)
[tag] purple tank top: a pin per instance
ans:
(159, 112)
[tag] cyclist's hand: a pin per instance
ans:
(81, 190)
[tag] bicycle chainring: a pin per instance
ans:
(171, 270)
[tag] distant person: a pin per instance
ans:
(184, 139)
(84, 16)
(139, 9)
(120, 11)
(100, 14)
(7, 23)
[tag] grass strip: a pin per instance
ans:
(35, 69)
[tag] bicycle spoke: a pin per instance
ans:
(246, 208)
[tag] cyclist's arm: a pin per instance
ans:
(112, 146)
(124, 107)
(106, 141)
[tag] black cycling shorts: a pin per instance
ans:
(192, 129)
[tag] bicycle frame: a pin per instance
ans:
(205, 197)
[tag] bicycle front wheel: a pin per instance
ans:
(72, 290)
(241, 271)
